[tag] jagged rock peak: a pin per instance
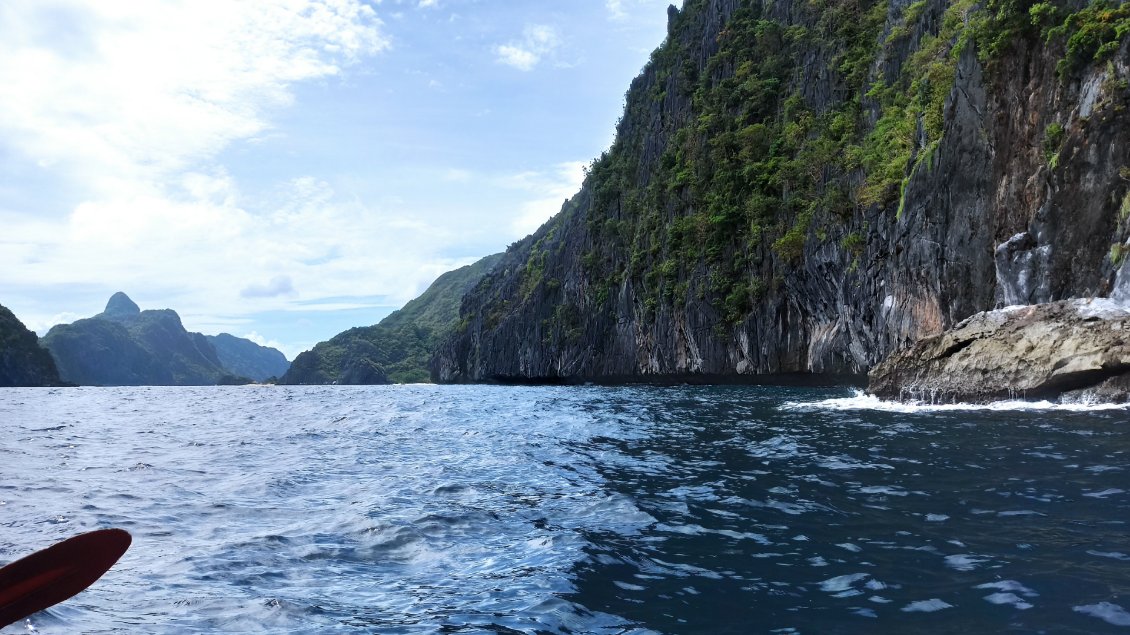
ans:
(121, 306)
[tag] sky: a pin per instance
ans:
(283, 170)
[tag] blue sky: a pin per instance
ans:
(286, 169)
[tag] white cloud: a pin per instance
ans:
(537, 42)
(278, 286)
(159, 86)
(457, 175)
(128, 105)
(262, 341)
(41, 326)
(616, 9)
(550, 190)
(207, 256)
(621, 10)
(152, 148)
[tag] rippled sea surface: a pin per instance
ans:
(425, 509)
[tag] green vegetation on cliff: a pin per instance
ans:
(23, 362)
(755, 165)
(400, 347)
(800, 185)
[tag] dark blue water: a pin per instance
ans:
(423, 509)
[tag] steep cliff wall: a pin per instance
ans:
(23, 362)
(808, 185)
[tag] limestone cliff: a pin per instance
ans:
(808, 185)
(23, 362)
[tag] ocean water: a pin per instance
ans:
(475, 509)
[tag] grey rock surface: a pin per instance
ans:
(1075, 349)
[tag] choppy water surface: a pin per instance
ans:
(423, 509)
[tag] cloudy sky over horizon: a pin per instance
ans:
(286, 169)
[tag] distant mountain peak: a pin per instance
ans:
(121, 306)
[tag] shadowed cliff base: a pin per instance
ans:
(690, 379)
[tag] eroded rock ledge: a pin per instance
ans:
(1073, 350)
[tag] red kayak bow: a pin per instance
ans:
(58, 572)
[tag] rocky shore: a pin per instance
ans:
(1072, 350)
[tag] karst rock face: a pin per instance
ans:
(807, 187)
(1077, 348)
(120, 306)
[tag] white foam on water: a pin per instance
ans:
(842, 583)
(926, 606)
(1007, 593)
(1116, 555)
(1106, 611)
(1011, 586)
(964, 561)
(884, 490)
(863, 401)
(1105, 493)
(1007, 598)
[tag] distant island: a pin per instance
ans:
(399, 349)
(125, 346)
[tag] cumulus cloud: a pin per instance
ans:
(275, 344)
(155, 86)
(128, 107)
(549, 189)
(620, 10)
(199, 254)
(537, 42)
(278, 286)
